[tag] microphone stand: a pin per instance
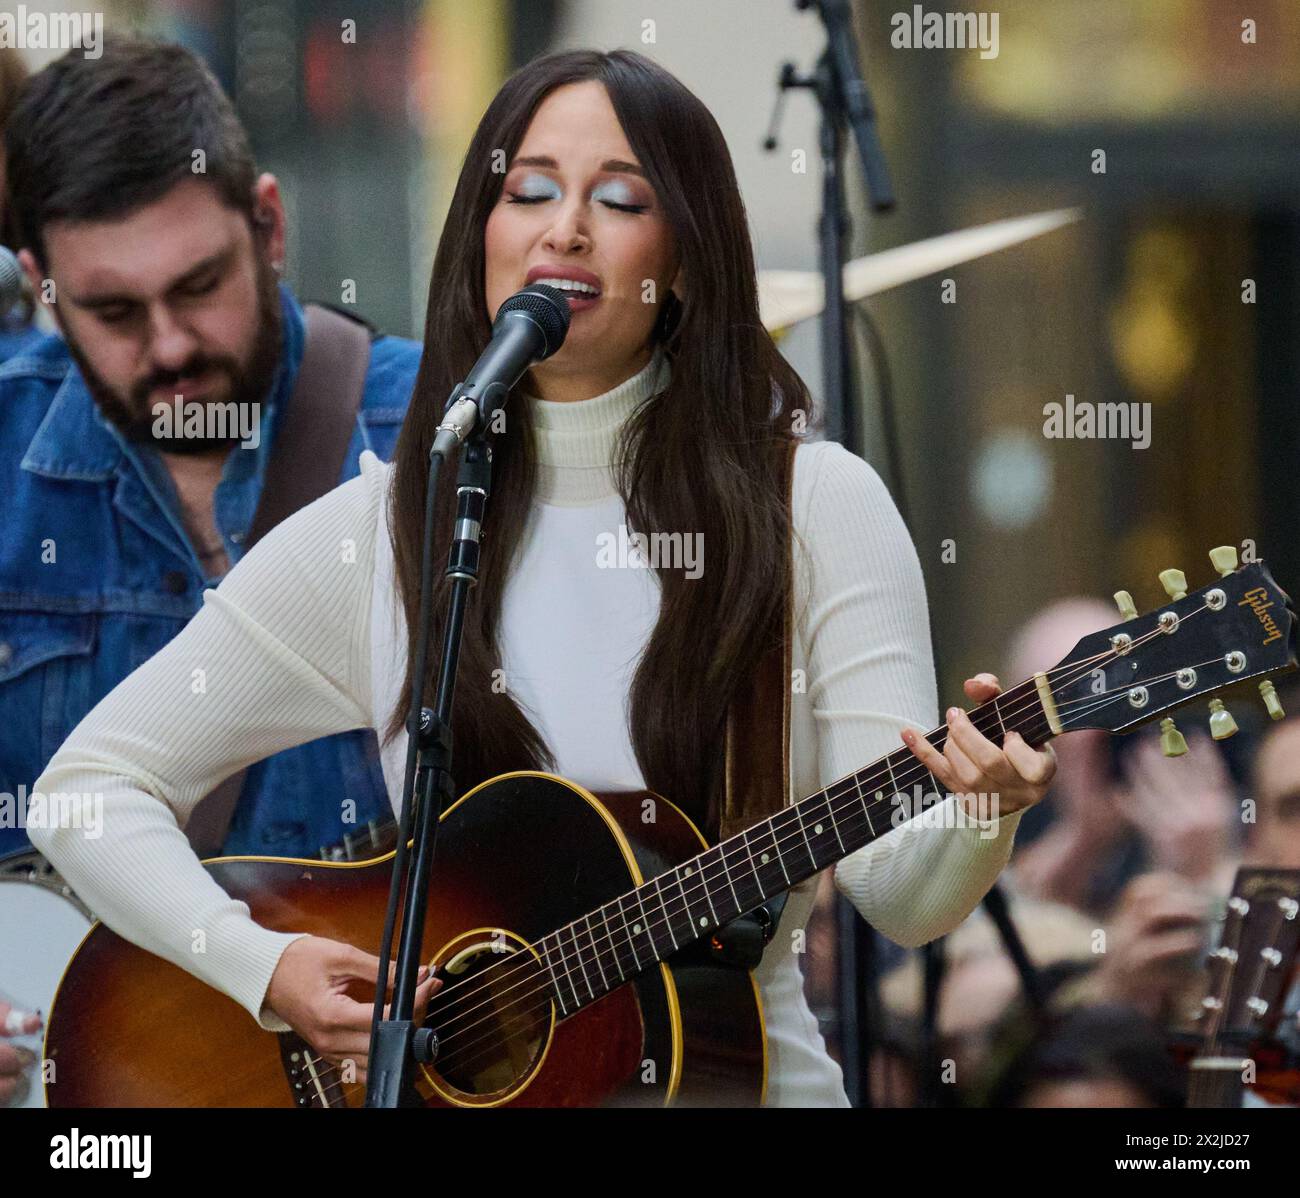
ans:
(842, 96)
(395, 1042)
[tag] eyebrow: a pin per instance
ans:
(220, 258)
(613, 165)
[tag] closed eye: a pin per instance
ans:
(113, 315)
(203, 286)
(516, 198)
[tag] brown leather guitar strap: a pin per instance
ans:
(306, 462)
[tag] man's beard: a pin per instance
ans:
(135, 417)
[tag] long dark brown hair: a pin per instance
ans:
(698, 458)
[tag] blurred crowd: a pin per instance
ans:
(1118, 890)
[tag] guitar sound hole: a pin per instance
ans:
(491, 1016)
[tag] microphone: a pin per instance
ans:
(11, 280)
(530, 326)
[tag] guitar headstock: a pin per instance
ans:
(1239, 629)
(1250, 971)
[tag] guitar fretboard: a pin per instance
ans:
(607, 947)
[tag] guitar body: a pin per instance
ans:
(516, 857)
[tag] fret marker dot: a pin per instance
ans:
(688, 871)
(765, 858)
(636, 927)
(817, 828)
(704, 921)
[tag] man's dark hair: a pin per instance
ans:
(92, 139)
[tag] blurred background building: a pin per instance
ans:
(1172, 124)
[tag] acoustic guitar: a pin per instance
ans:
(568, 927)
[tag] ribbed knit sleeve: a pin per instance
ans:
(871, 674)
(278, 655)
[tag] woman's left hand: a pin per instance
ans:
(1012, 777)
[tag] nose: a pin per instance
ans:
(171, 343)
(569, 232)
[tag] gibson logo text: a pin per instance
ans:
(1255, 598)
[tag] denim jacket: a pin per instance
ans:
(16, 335)
(97, 574)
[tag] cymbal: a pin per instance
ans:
(786, 297)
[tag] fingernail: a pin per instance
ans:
(953, 713)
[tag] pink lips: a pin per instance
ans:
(577, 301)
(576, 273)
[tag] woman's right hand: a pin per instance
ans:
(308, 991)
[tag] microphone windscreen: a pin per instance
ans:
(547, 306)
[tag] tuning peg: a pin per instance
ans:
(1224, 559)
(1124, 601)
(1172, 743)
(1175, 583)
(1272, 704)
(1222, 725)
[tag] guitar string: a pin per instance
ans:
(499, 1027)
(463, 1048)
(623, 978)
(498, 994)
(781, 822)
(346, 1087)
(1090, 702)
(602, 943)
(1081, 667)
(792, 815)
(787, 817)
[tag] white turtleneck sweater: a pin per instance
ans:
(304, 638)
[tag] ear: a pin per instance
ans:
(36, 279)
(679, 283)
(268, 212)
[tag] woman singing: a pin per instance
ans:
(661, 411)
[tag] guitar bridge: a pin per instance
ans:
(314, 1082)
